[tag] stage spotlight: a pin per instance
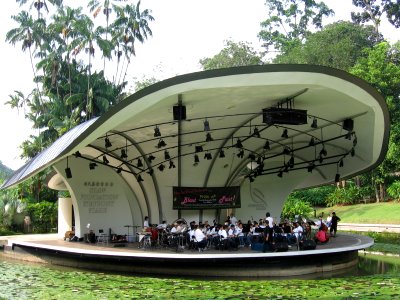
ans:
(139, 178)
(150, 158)
(77, 154)
(286, 168)
(161, 167)
(150, 172)
(267, 146)
(239, 144)
(206, 125)
(280, 174)
(196, 159)
(252, 157)
(312, 142)
(166, 155)
(314, 123)
(341, 164)
(337, 177)
(209, 156)
(352, 152)
(92, 165)
(323, 151)
(286, 150)
(256, 132)
(251, 178)
(291, 162)
(157, 132)
(209, 137)
(123, 154)
(320, 159)
(68, 173)
(161, 143)
(221, 154)
(310, 167)
(240, 154)
(171, 165)
(139, 163)
(198, 149)
(107, 143)
(105, 160)
(119, 170)
(285, 134)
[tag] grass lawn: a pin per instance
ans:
(373, 213)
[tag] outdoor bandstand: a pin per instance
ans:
(202, 145)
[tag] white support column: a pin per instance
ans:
(64, 216)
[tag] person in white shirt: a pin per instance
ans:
(270, 220)
(146, 222)
(233, 219)
(297, 230)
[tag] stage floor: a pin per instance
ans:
(340, 252)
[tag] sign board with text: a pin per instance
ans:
(206, 197)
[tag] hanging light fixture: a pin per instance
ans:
(119, 170)
(171, 165)
(107, 142)
(285, 134)
(161, 167)
(252, 157)
(166, 155)
(77, 154)
(341, 163)
(256, 132)
(355, 141)
(312, 142)
(150, 172)
(68, 172)
(251, 178)
(161, 143)
(209, 137)
(337, 176)
(240, 154)
(206, 125)
(239, 144)
(139, 178)
(157, 132)
(286, 150)
(221, 153)
(139, 163)
(310, 167)
(198, 149)
(196, 159)
(314, 123)
(150, 158)
(280, 174)
(291, 162)
(352, 152)
(92, 165)
(266, 145)
(105, 160)
(123, 154)
(208, 156)
(323, 151)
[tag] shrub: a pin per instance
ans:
(43, 215)
(394, 190)
(342, 196)
(315, 196)
(294, 206)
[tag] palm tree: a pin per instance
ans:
(40, 4)
(108, 7)
(135, 25)
(87, 38)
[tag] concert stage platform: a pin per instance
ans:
(338, 254)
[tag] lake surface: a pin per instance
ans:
(375, 277)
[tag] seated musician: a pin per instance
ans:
(162, 226)
(199, 237)
(232, 237)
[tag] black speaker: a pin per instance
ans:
(179, 112)
(348, 124)
(68, 173)
(287, 116)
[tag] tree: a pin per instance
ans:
(372, 12)
(381, 68)
(290, 22)
(233, 55)
(337, 45)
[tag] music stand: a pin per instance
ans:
(128, 230)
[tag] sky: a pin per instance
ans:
(184, 31)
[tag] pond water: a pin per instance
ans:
(375, 277)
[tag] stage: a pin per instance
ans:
(339, 253)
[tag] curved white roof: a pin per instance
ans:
(232, 102)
